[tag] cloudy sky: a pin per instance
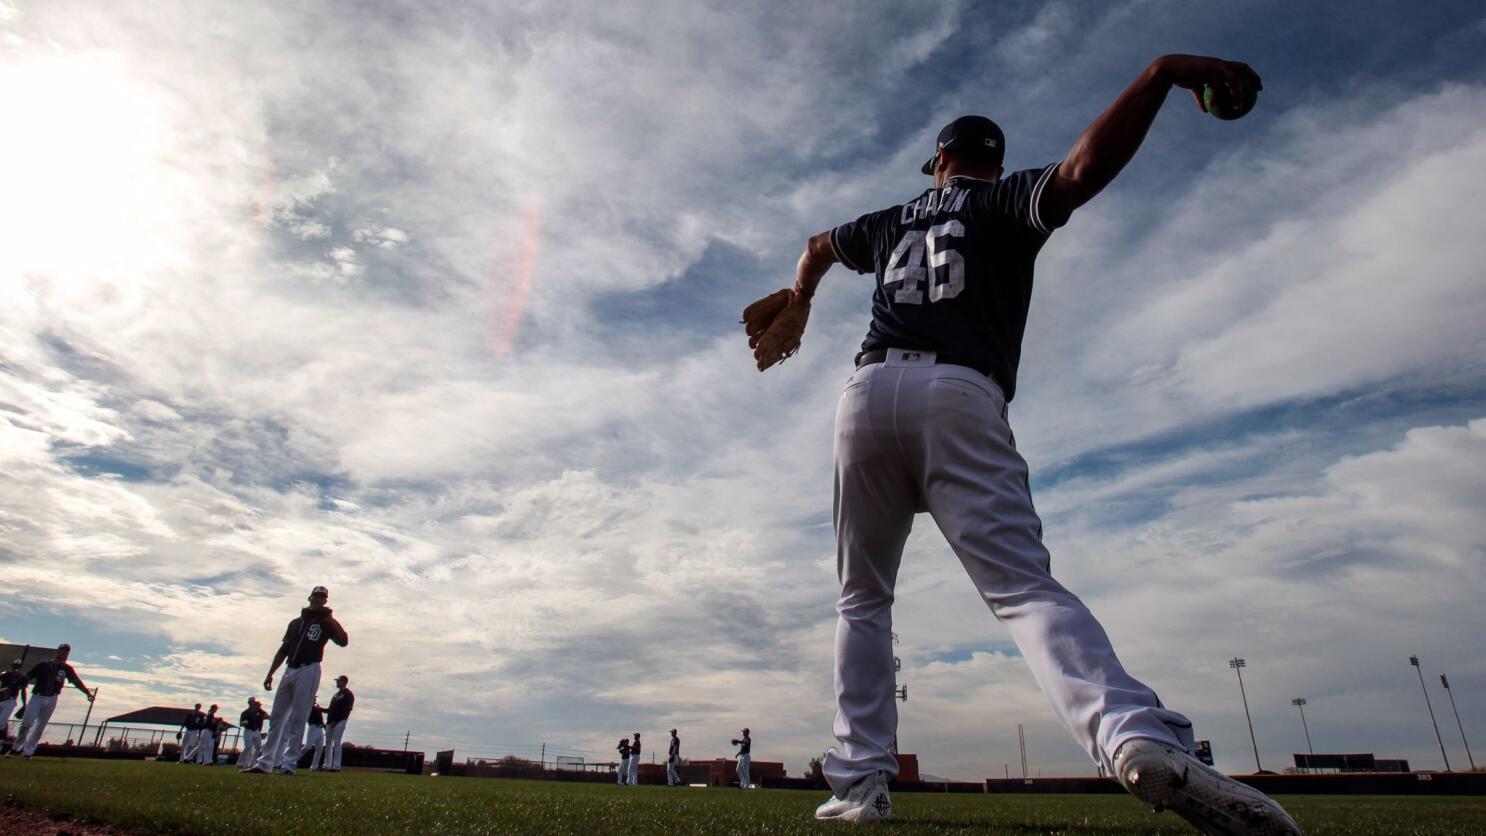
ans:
(435, 303)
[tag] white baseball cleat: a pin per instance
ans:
(1167, 778)
(866, 800)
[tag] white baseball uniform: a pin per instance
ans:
(33, 722)
(915, 435)
(206, 743)
(252, 747)
(291, 709)
(333, 733)
(673, 759)
(314, 740)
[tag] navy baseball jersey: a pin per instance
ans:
(11, 684)
(675, 746)
(954, 270)
(340, 706)
(317, 716)
(49, 677)
(305, 637)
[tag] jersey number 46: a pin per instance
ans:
(908, 267)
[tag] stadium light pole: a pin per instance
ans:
(1414, 660)
(1299, 702)
(1445, 682)
(1238, 665)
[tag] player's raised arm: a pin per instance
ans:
(1104, 148)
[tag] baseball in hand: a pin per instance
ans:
(1219, 102)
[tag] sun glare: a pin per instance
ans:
(86, 190)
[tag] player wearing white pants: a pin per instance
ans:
(336, 716)
(673, 760)
(291, 709)
(745, 759)
(252, 747)
(251, 723)
(47, 679)
(303, 646)
(206, 739)
(914, 433)
(634, 761)
(623, 749)
(922, 427)
(12, 688)
(314, 740)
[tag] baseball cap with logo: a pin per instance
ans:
(975, 135)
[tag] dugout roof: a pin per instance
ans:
(157, 715)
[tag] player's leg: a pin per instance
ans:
(305, 688)
(6, 708)
(745, 776)
(337, 732)
(875, 500)
(38, 714)
(976, 487)
(278, 725)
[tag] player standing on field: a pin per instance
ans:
(634, 761)
(251, 723)
(206, 738)
(47, 679)
(303, 647)
(190, 725)
(314, 737)
(623, 760)
(673, 760)
(335, 718)
(745, 759)
(922, 426)
(12, 688)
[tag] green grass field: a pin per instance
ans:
(170, 798)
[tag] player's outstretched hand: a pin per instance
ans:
(774, 325)
(1191, 72)
(268, 682)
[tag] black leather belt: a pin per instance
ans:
(879, 355)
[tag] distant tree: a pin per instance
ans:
(817, 768)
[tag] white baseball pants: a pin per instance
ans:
(206, 743)
(6, 707)
(672, 778)
(252, 746)
(744, 780)
(33, 722)
(333, 734)
(188, 746)
(915, 436)
(291, 709)
(314, 740)
(624, 770)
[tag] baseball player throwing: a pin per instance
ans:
(303, 647)
(922, 426)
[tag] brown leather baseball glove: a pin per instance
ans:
(775, 324)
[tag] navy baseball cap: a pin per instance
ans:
(319, 590)
(973, 134)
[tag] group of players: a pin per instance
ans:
(296, 712)
(630, 751)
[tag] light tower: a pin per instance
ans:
(1238, 665)
(1414, 660)
(1299, 702)
(1445, 682)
